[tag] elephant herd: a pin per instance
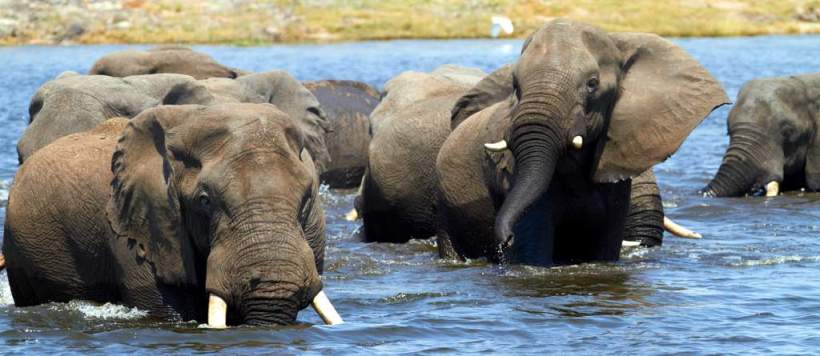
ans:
(167, 181)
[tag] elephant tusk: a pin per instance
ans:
(497, 146)
(577, 142)
(627, 243)
(217, 311)
(678, 230)
(772, 189)
(325, 309)
(352, 215)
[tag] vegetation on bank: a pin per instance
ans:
(267, 21)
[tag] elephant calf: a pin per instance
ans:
(164, 59)
(348, 105)
(193, 212)
(774, 139)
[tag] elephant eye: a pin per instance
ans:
(592, 85)
(204, 200)
(516, 88)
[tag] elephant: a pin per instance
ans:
(397, 193)
(774, 139)
(348, 105)
(538, 167)
(74, 103)
(163, 59)
(276, 87)
(187, 212)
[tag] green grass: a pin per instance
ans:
(344, 20)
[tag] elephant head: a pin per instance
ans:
(276, 87)
(619, 103)
(223, 199)
(773, 138)
(168, 59)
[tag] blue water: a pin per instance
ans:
(749, 286)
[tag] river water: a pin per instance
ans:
(750, 285)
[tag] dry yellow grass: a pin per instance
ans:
(197, 21)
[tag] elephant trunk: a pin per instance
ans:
(537, 142)
(646, 219)
(264, 275)
(741, 166)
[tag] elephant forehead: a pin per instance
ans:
(230, 128)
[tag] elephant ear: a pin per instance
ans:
(289, 95)
(664, 95)
(144, 210)
(493, 88)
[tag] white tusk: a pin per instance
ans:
(627, 243)
(577, 142)
(217, 311)
(497, 146)
(678, 230)
(352, 215)
(326, 310)
(772, 189)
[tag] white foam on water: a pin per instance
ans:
(5, 290)
(4, 190)
(106, 311)
(775, 261)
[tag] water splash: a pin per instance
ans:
(105, 311)
(5, 290)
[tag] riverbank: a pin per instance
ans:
(246, 22)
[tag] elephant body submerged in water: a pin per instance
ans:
(397, 195)
(348, 105)
(538, 167)
(185, 211)
(164, 59)
(774, 133)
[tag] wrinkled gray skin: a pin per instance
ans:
(397, 195)
(644, 222)
(275, 87)
(165, 59)
(774, 135)
(178, 206)
(348, 105)
(633, 98)
(75, 103)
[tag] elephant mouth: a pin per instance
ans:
(218, 312)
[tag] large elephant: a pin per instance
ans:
(74, 103)
(397, 195)
(542, 176)
(276, 87)
(164, 59)
(774, 139)
(348, 105)
(185, 211)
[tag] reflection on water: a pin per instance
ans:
(749, 285)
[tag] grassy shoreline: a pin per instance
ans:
(289, 21)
